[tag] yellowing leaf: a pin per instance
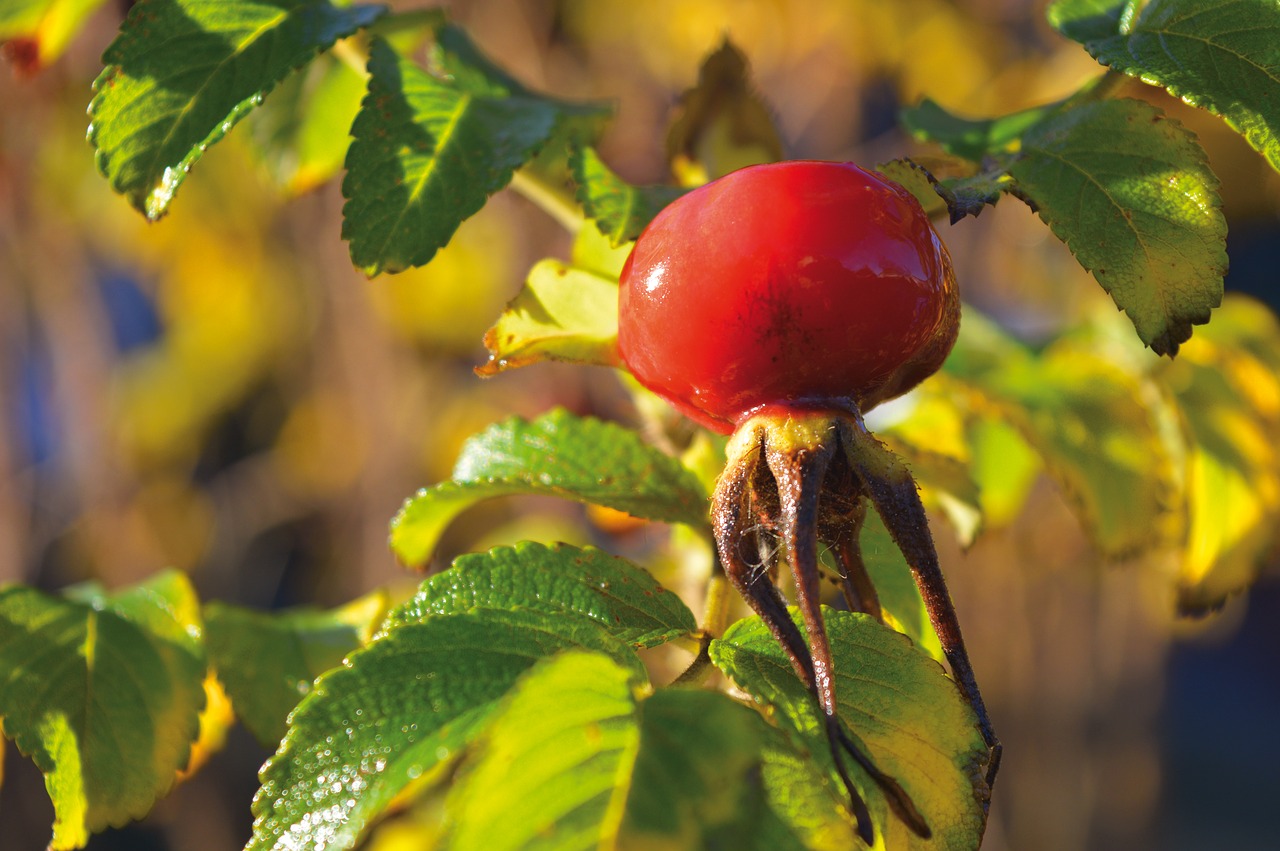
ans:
(723, 124)
(562, 314)
(1230, 398)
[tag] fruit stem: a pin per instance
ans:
(551, 199)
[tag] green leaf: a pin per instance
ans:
(972, 139)
(1131, 194)
(554, 768)
(558, 454)
(268, 660)
(398, 709)
(183, 72)
(296, 130)
(619, 209)
(697, 781)
(40, 30)
(1222, 55)
(723, 124)
(563, 313)
(909, 716)
(104, 694)
(429, 151)
(1086, 20)
(557, 580)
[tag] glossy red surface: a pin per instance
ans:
(809, 284)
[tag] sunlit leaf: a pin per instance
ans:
(1222, 55)
(429, 149)
(554, 768)
(896, 586)
(723, 124)
(619, 209)
(268, 660)
(398, 708)
(908, 714)
(558, 454)
(181, 73)
(103, 692)
(562, 580)
(562, 314)
(1131, 194)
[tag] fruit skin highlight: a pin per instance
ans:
(780, 303)
(808, 284)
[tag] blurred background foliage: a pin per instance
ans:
(221, 392)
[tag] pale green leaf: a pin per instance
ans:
(558, 580)
(909, 716)
(554, 767)
(104, 693)
(268, 660)
(562, 314)
(1131, 194)
(558, 454)
(183, 72)
(1222, 55)
(396, 710)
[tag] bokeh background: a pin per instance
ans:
(222, 393)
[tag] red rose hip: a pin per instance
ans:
(780, 303)
(802, 283)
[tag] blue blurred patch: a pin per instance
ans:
(35, 417)
(132, 314)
